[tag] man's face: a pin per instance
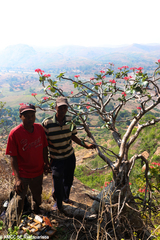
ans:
(61, 111)
(28, 118)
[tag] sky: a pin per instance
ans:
(49, 23)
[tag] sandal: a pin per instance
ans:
(68, 201)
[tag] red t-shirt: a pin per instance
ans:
(28, 148)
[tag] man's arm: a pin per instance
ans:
(18, 186)
(83, 144)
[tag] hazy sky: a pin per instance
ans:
(79, 22)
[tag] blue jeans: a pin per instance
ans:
(63, 174)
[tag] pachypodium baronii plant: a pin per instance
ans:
(121, 88)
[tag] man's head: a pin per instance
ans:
(61, 101)
(27, 115)
(61, 107)
(26, 107)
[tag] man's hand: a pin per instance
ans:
(18, 186)
(90, 146)
(47, 168)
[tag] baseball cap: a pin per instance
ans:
(61, 101)
(27, 107)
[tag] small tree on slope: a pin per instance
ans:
(92, 97)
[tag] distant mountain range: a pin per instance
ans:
(24, 57)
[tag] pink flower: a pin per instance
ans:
(88, 107)
(158, 60)
(49, 88)
(21, 104)
(47, 75)
(93, 190)
(45, 98)
(101, 186)
(130, 183)
(102, 71)
(106, 184)
(120, 68)
(140, 68)
(77, 76)
(112, 81)
(99, 83)
(38, 70)
(130, 76)
(151, 166)
(139, 108)
(154, 163)
(34, 94)
(71, 92)
(133, 68)
(104, 77)
(91, 78)
(125, 67)
(124, 94)
(126, 78)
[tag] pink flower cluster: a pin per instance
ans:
(77, 76)
(38, 70)
(127, 78)
(47, 75)
(34, 94)
(124, 94)
(45, 98)
(107, 183)
(142, 190)
(88, 106)
(139, 108)
(155, 163)
(99, 83)
(125, 67)
(139, 70)
(112, 81)
(102, 71)
(133, 68)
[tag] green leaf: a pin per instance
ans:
(61, 75)
(99, 76)
(71, 127)
(42, 78)
(75, 84)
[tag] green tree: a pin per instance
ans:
(106, 96)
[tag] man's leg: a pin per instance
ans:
(57, 174)
(15, 207)
(70, 165)
(35, 185)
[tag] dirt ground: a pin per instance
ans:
(66, 226)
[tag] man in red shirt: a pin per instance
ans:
(27, 147)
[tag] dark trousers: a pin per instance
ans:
(15, 206)
(63, 173)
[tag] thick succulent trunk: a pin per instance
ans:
(121, 210)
